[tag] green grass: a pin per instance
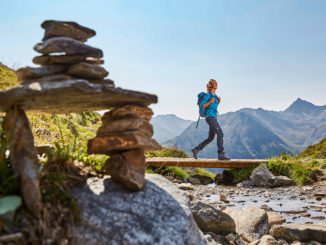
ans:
(168, 152)
(241, 174)
(7, 77)
(315, 151)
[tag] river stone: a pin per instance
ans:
(282, 181)
(128, 111)
(300, 232)
(128, 168)
(251, 222)
(126, 124)
(55, 28)
(67, 45)
(275, 218)
(110, 213)
(120, 141)
(261, 176)
(267, 240)
(70, 96)
(210, 219)
(27, 73)
(203, 179)
(65, 59)
(86, 70)
(50, 78)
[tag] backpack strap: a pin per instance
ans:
(198, 122)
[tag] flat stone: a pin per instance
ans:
(103, 81)
(50, 78)
(267, 240)
(27, 73)
(23, 157)
(128, 168)
(282, 181)
(65, 59)
(67, 45)
(86, 70)
(275, 218)
(300, 232)
(112, 214)
(128, 111)
(55, 28)
(121, 141)
(126, 124)
(70, 96)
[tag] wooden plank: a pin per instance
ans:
(202, 162)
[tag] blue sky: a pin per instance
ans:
(263, 53)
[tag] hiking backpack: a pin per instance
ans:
(202, 110)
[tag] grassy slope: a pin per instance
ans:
(316, 151)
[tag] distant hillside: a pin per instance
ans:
(7, 77)
(259, 133)
(318, 150)
(168, 126)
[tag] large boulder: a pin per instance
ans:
(300, 232)
(251, 222)
(210, 219)
(112, 214)
(261, 176)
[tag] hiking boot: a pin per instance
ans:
(194, 152)
(223, 157)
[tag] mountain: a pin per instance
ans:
(259, 133)
(168, 126)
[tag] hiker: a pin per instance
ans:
(210, 103)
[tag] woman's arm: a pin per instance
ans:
(211, 100)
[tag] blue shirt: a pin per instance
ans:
(211, 110)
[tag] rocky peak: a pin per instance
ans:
(301, 106)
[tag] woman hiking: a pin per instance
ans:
(210, 103)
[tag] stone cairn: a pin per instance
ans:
(79, 61)
(126, 133)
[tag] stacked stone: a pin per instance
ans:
(79, 61)
(125, 135)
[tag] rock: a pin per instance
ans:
(23, 157)
(265, 207)
(267, 240)
(226, 177)
(230, 237)
(65, 59)
(300, 232)
(121, 141)
(209, 219)
(185, 187)
(281, 242)
(128, 111)
(254, 242)
(86, 70)
(103, 81)
(251, 222)
(67, 45)
(71, 96)
(194, 181)
(44, 149)
(314, 243)
(50, 78)
(210, 240)
(282, 181)
(203, 179)
(246, 184)
(128, 168)
(160, 214)
(217, 238)
(223, 198)
(275, 218)
(126, 124)
(262, 177)
(55, 28)
(27, 73)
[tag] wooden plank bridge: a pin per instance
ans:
(202, 162)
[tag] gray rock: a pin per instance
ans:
(220, 239)
(251, 222)
(194, 181)
(261, 176)
(300, 232)
(65, 59)
(70, 96)
(86, 70)
(209, 219)
(203, 179)
(55, 28)
(210, 240)
(267, 240)
(50, 78)
(282, 181)
(67, 45)
(160, 214)
(27, 73)
(246, 184)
